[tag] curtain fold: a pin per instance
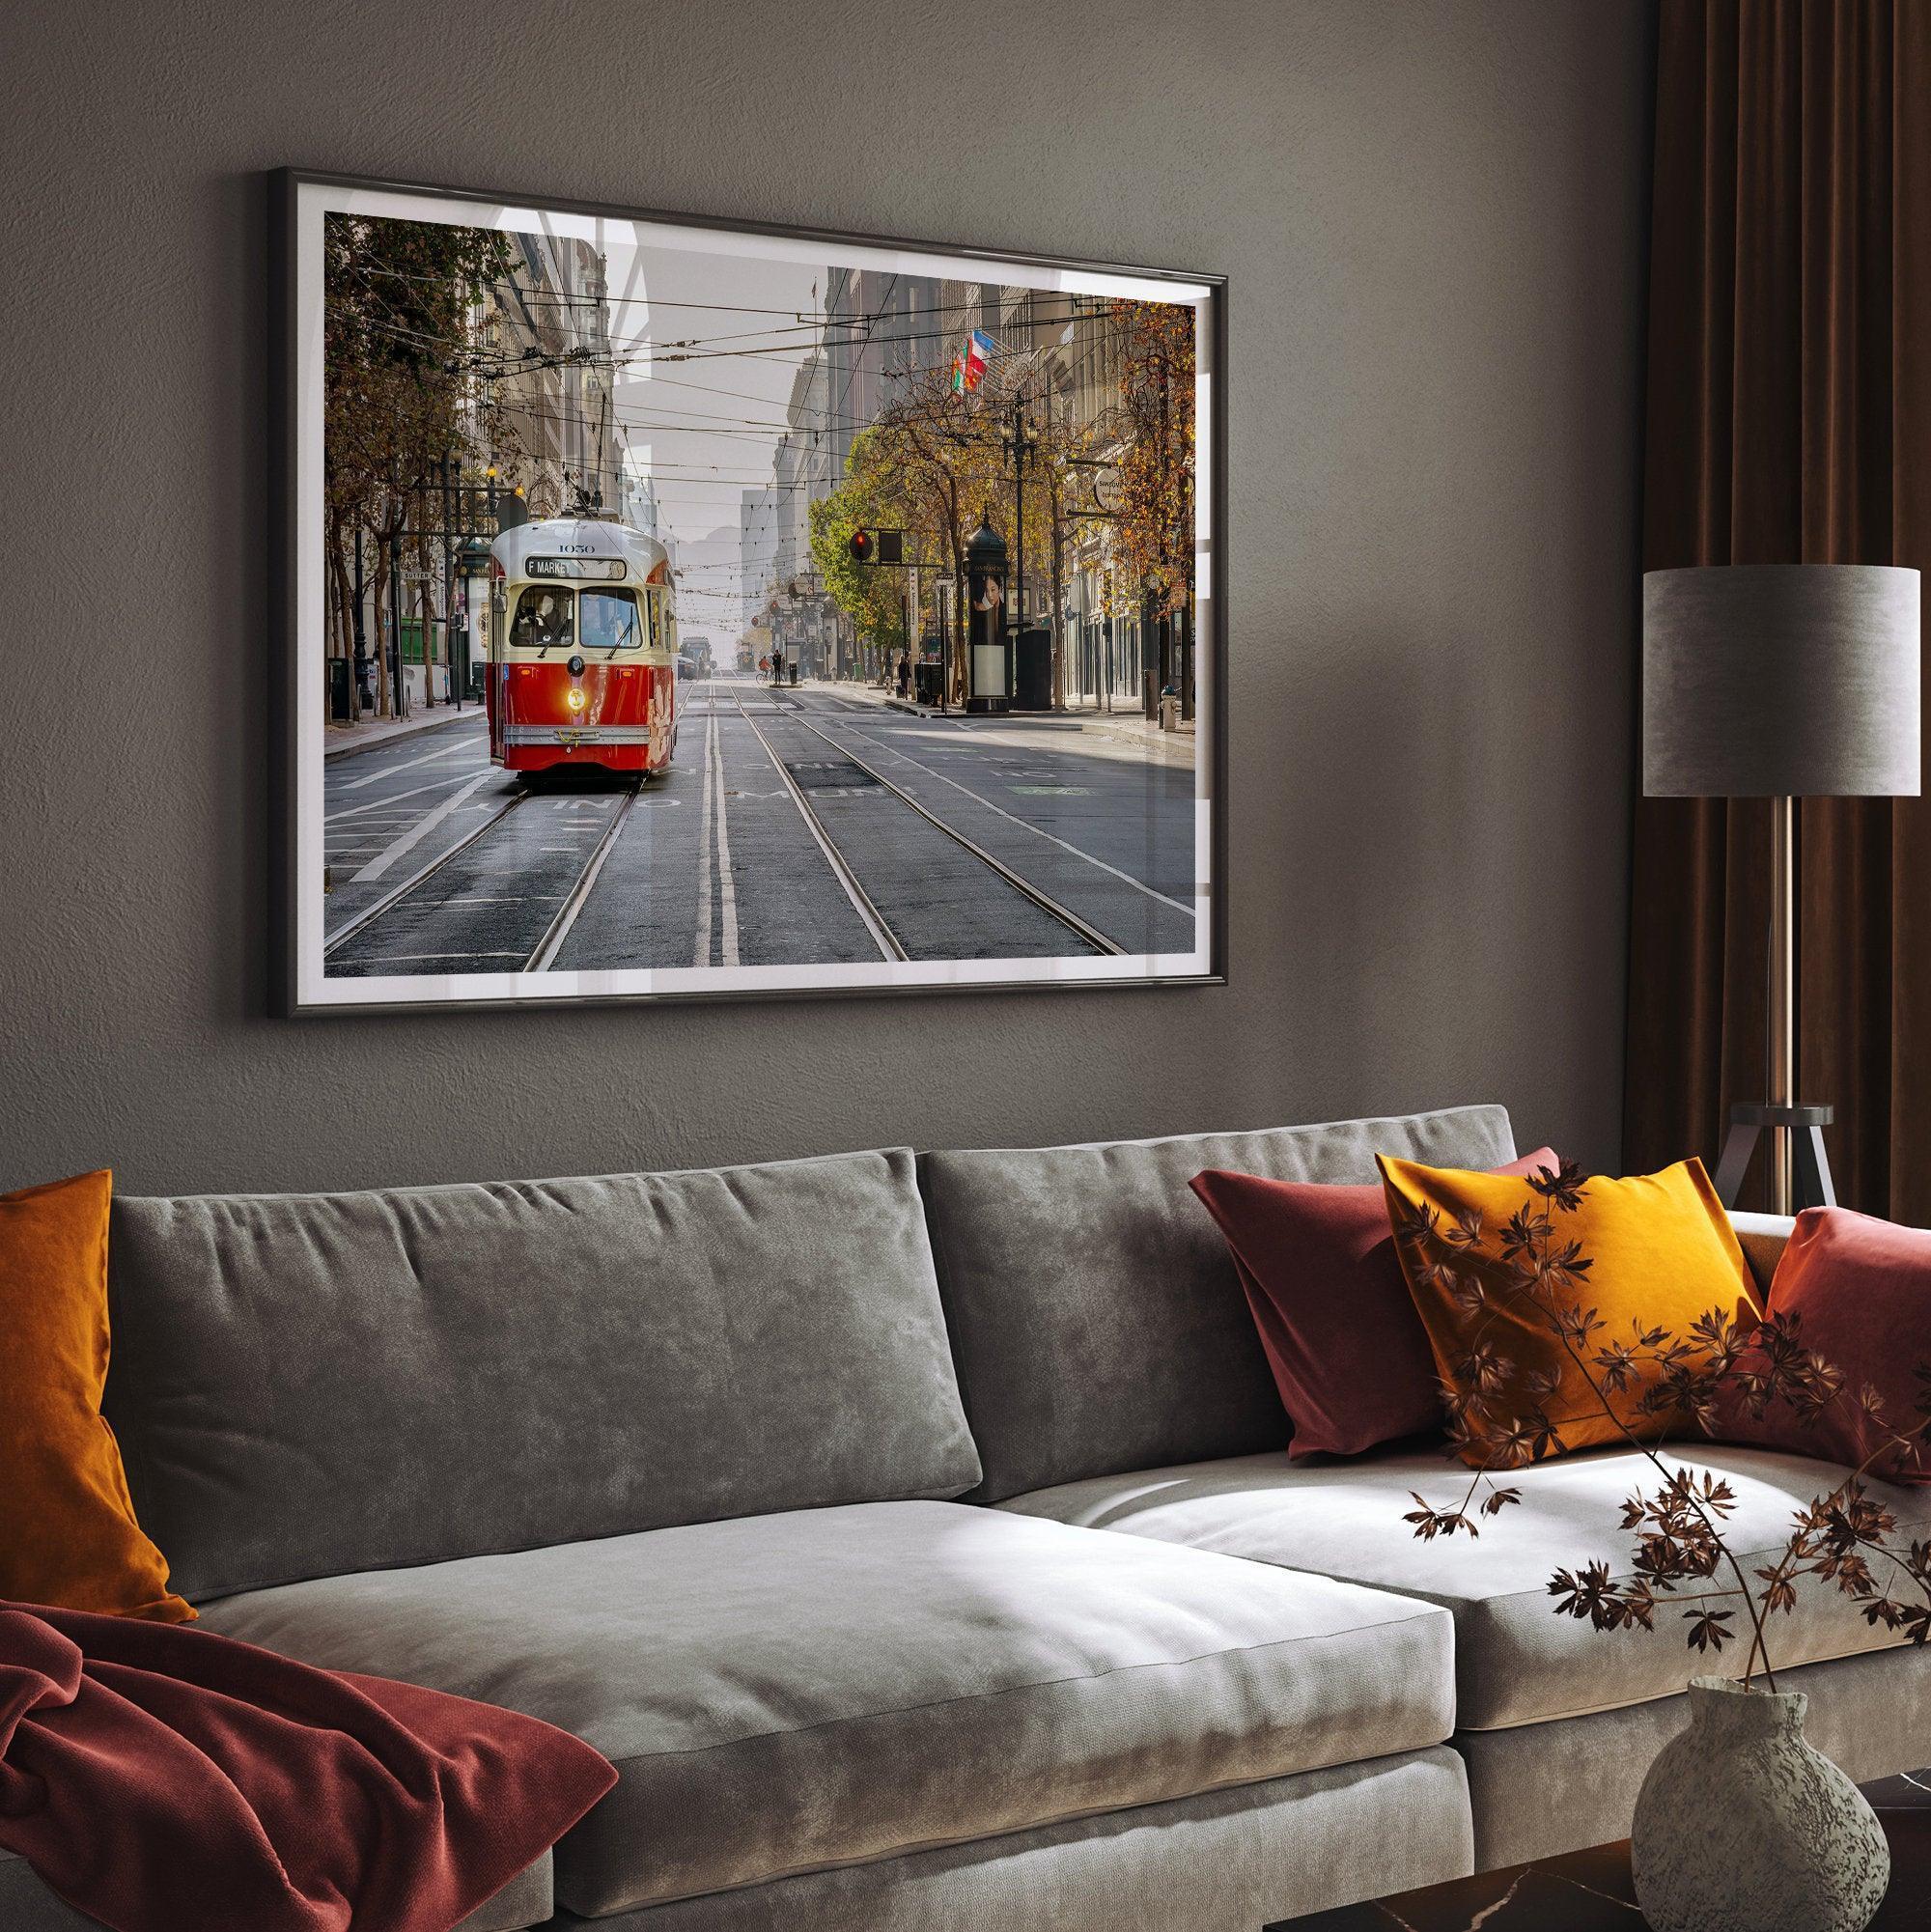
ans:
(1788, 420)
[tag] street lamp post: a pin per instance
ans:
(361, 633)
(398, 695)
(1019, 446)
(451, 495)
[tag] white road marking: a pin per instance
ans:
(394, 798)
(409, 764)
(702, 954)
(727, 891)
(388, 858)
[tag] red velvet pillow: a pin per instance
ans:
(1860, 1293)
(1349, 1353)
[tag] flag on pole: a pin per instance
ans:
(971, 363)
(978, 352)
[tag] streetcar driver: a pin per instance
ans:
(542, 620)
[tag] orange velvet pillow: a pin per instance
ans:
(67, 1534)
(1660, 1254)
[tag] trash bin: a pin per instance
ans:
(929, 681)
(340, 691)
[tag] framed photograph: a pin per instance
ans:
(674, 609)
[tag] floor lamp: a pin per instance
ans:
(1781, 681)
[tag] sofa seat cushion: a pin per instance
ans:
(26, 1905)
(788, 1692)
(1516, 1661)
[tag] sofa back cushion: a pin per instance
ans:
(1763, 1238)
(1096, 1320)
(308, 1385)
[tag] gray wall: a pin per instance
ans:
(1431, 214)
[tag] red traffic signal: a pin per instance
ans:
(861, 546)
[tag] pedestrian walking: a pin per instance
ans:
(905, 673)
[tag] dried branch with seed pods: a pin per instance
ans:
(1651, 1384)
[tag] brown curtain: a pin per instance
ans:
(1789, 421)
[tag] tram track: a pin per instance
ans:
(551, 943)
(882, 933)
(898, 936)
(376, 908)
(888, 941)
(555, 932)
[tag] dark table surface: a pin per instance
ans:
(1583, 1892)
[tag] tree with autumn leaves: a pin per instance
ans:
(397, 302)
(938, 457)
(873, 598)
(935, 460)
(1153, 535)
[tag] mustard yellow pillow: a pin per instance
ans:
(67, 1533)
(1496, 1265)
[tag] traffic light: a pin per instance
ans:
(877, 546)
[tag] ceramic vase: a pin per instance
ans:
(1741, 1827)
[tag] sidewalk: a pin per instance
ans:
(1124, 727)
(344, 741)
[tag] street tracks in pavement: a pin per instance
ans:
(551, 943)
(883, 935)
(883, 938)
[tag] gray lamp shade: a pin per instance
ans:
(1780, 681)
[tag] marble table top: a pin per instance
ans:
(1590, 1892)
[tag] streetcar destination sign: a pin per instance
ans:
(575, 567)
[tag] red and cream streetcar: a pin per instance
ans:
(583, 648)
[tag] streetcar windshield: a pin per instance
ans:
(545, 620)
(609, 620)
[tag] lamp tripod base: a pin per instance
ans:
(1805, 1174)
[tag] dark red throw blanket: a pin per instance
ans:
(160, 1777)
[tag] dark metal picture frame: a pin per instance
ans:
(302, 982)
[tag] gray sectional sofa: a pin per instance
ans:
(916, 1536)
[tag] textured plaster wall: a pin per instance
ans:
(1430, 212)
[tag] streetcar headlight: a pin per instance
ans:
(576, 699)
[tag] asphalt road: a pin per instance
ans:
(794, 827)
